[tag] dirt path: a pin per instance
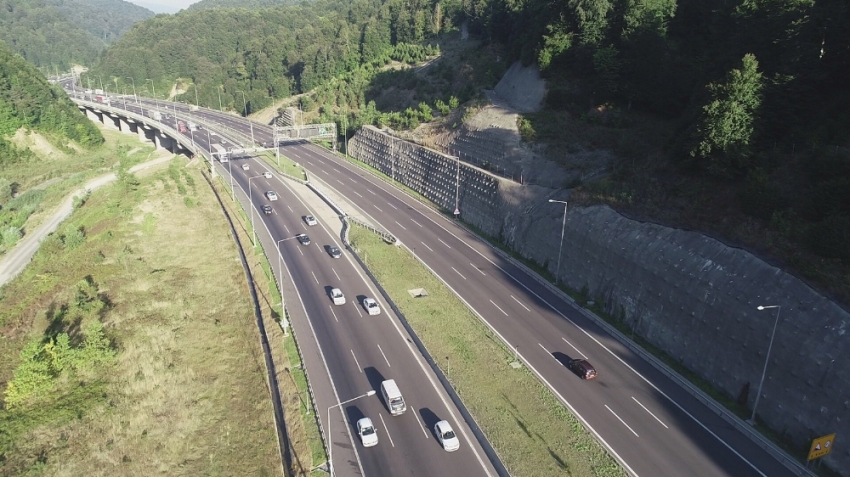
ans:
(16, 259)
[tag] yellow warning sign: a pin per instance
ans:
(821, 446)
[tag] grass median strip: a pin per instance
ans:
(529, 428)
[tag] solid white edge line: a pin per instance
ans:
(622, 421)
(416, 415)
(386, 429)
(650, 413)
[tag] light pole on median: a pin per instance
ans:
(245, 110)
(155, 101)
(251, 204)
(560, 248)
(134, 89)
(330, 439)
(230, 170)
(752, 420)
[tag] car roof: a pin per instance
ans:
(364, 421)
(444, 426)
(334, 290)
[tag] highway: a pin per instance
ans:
(650, 424)
(358, 351)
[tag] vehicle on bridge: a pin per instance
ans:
(221, 152)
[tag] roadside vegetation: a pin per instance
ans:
(528, 427)
(121, 355)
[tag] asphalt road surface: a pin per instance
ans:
(648, 422)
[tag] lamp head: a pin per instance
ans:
(371, 393)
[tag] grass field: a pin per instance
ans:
(186, 392)
(532, 432)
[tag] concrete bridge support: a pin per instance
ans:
(124, 125)
(94, 116)
(145, 135)
(110, 121)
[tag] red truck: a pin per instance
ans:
(181, 127)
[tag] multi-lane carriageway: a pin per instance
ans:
(651, 425)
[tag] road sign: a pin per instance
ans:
(457, 211)
(821, 446)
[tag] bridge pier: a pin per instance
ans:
(110, 121)
(94, 116)
(124, 125)
(145, 135)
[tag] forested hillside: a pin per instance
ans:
(58, 33)
(28, 101)
(747, 101)
(207, 4)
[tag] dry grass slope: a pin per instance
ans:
(187, 395)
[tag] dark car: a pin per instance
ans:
(582, 368)
(334, 251)
(303, 238)
(267, 209)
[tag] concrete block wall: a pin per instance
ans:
(686, 293)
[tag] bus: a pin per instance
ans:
(220, 152)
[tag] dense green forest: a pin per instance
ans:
(59, 33)
(28, 101)
(207, 4)
(755, 92)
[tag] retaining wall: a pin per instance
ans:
(686, 293)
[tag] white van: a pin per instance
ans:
(393, 397)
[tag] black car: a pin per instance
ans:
(334, 251)
(303, 238)
(267, 209)
(582, 368)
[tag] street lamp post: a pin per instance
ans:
(561, 247)
(752, 419)
(155, 101)
(330, 439)
(245, 110)
(251, 205)
(230, 170)
(134, 89)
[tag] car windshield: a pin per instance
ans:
(368, 431)
(449, 435)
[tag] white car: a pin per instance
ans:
(310, 220)
(267, 175)
(245, 167)
(337, 296)
(271, 195)
(446, 436)
(367, 432)
(371, 306)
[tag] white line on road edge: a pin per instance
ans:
(461, 276)
(355, 357)
(520, 303)
(415, 222)
(379, 209)
(497, 306)
(386, 429)
(334, 313)
(479, 270)
(577, 350)
(424, 431)
(622, 421)
(385, 356)
(426, 246)
(337, 276)
(402, 226)
(650, 413)
(444, 243)
(314, 274)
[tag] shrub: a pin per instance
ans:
(526, 130)
(9, 236)
(73, 237)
